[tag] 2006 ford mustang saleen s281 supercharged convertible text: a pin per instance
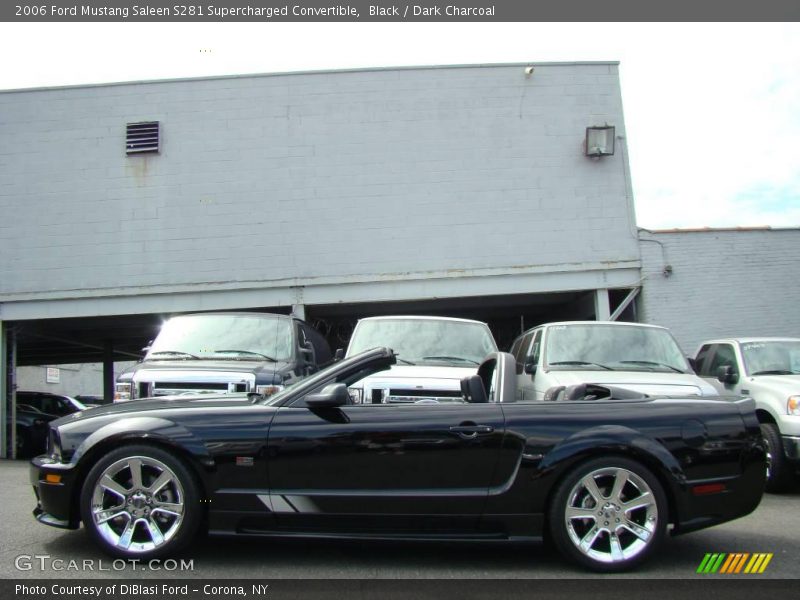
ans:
(604, 472)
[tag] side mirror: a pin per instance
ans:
(339, 354)
(530, 366)
(332, 395)
(726, 374)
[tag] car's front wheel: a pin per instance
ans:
(608, 514)
(140, 502)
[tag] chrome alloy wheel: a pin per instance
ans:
(611, 515)
(137, 504)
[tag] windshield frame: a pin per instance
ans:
(740, 348)
(435, 356)
(283, 351)
(615, 366)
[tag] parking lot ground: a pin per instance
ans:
(774, 527)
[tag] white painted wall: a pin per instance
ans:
(294, 181)
(723, 283)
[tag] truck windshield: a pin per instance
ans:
(613, 347)
(231, 337)
(772, 357)
(419, 341)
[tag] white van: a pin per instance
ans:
(643, 358)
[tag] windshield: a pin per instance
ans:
(419, 341)
(772, 357)
(224, 337)
(613, 347)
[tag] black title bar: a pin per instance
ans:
(381, 10)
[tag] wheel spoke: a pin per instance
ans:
(127, 535)
(168, 508)
(154, 531)
(619, 484)
(637, 530)
(589, 539)
(159, 483)
(591, 486)
(135, 466)
(112, 486)
(575, 512)
(616, 549)
(643, 501)
(102, 515)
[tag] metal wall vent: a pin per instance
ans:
(142, 137)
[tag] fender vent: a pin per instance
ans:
(142, 137)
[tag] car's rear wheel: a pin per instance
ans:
(779, 472)
(140, 502)
(608, 514)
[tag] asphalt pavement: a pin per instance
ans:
(774, 527)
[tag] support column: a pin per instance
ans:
(108, 371)
(3, 394)
(602, 307)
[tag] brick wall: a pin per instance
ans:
(723, 283)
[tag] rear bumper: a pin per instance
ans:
(741, 496)
(55, 504)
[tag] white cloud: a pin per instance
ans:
(711, 109)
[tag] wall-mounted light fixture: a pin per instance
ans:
(600, 141)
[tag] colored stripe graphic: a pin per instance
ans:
(733, 563)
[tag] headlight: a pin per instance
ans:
(123, 392)
(793, 405)
(356, 395)
(54, 445)
(268, 390)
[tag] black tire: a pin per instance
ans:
(607, 531)
(173, 508)
(780, 474)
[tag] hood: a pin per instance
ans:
(423, 375)
(204, 402)
(786, 384)
(646, 382)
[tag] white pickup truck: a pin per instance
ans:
(433, 355)
(768, 370)
(634, 356)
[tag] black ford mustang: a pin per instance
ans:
(603, 472)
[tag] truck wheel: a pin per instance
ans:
(140, 502)
(779, 471)
(608, 514)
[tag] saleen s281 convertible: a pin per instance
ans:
(603, 472)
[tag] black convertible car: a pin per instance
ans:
(602, 472)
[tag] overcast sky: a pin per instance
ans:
(712, 110)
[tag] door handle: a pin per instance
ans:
(469, 432)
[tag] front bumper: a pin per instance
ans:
(56, 503)
(791, 447)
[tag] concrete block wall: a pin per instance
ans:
(298, 177)
(724, 283)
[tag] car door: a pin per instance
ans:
(383, 467)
